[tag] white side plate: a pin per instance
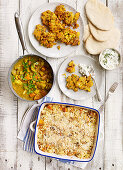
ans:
(80, 94)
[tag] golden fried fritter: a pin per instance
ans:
(69, 37)
(71, 67)
(46, 39)
(59, 11)
(56, 28)
(75, 82)
(68, 18)
(84, 83)
(76, 17)
(39, 30)
(50, 19)
(58, 47)
(70, 82)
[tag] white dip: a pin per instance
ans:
(109, 59)
(86, 70)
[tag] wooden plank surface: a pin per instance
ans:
(97, 162)
(109, 154)
(32, 161)
(8, 102)
(114, 107)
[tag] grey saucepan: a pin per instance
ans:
(25, 54)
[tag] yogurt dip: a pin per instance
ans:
(109, 59)
(86, 70)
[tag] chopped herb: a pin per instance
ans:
(106, 55)
(36, 63)
(29, 91)
(25, 66)
(31, 81)
(13, 78)
(33, 77)
(105, 61)
(25, 86)
(22, 77)
(31, 86)
(32, 60)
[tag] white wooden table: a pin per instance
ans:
(109, 154)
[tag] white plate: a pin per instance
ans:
(80, 94)
(52, 52)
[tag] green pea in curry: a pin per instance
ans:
(32, 78)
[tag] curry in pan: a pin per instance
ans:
(32, 78)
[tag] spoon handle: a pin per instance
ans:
(97, 91)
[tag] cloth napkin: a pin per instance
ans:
(27, 136)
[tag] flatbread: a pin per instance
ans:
(86, 33)
(99, 15)
(100, 35)
(96, 47)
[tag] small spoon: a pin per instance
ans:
(91, 72)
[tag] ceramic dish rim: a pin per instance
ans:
(96, 140)
(100, 56)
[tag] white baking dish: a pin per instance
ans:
(68, 158)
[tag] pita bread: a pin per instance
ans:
(99, 15)
(86, 33)
(95, 47)
(100, 35)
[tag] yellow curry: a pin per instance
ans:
(32, 78)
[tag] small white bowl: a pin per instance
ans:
(101, 57)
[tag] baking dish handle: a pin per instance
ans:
(32, 126)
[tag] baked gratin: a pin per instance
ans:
(67, 130)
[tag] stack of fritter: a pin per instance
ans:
(58, 24)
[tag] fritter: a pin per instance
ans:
(68, 18)
(59, 11)
(46, 39)
(74, 82)
(55, 22)
(51, 20)
(69, 37)
(71, 67)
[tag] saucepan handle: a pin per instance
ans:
(32, 126)
(19, 28)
